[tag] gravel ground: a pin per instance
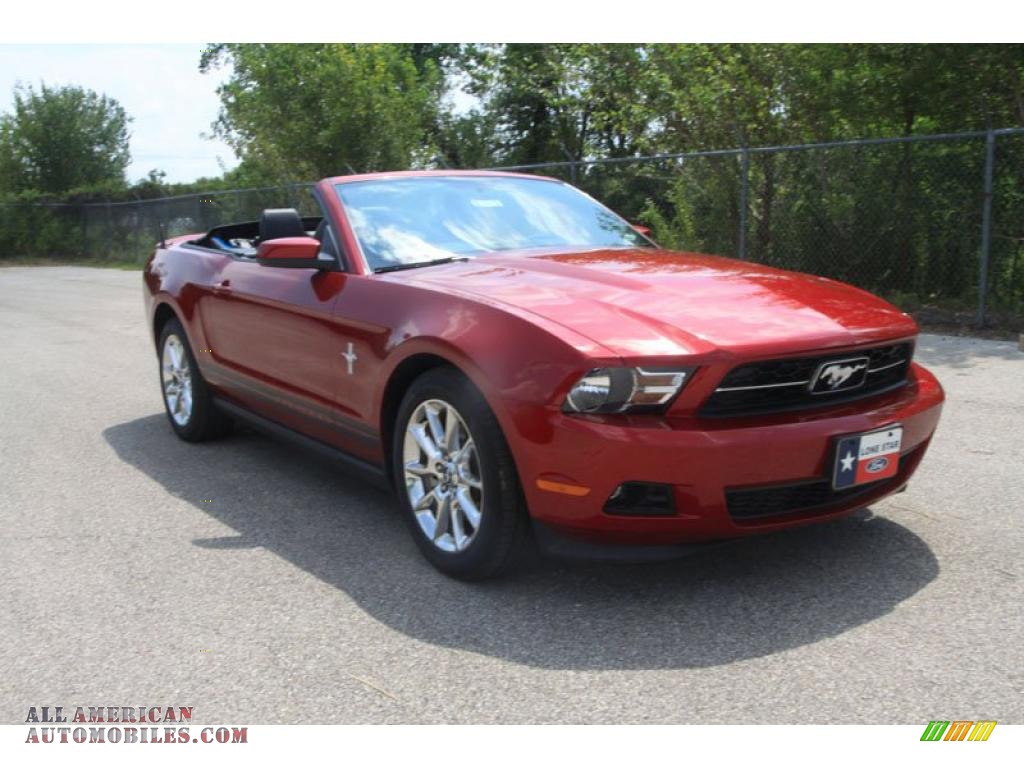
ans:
(257, 584)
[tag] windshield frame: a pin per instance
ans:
(339, 184)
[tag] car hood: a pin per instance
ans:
(651, 302)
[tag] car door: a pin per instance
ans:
(276, 344)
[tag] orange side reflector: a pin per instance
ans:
(568, 490)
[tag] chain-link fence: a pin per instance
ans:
(926, 221)
(127, 231)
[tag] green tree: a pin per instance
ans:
(468, 140)
(305, 111)
(552, 102)
(62, 138)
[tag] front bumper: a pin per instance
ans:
(701, 460)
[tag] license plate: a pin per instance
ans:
(867, 457)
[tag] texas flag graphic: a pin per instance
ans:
(867, 458)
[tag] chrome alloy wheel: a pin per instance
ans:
(442, 475)
(176, 374)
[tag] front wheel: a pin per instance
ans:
(456, 478)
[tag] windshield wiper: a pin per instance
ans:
(415, 264)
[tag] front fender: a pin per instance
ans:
(508, 359)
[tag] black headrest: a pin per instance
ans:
(280, 222)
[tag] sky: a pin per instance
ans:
(159, 85)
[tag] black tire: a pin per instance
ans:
(205, 421)
(500, 538)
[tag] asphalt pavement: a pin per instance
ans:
(258, 584)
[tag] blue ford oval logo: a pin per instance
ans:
(877, 465)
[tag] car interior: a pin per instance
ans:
(242, 240)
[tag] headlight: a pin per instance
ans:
(614, 390)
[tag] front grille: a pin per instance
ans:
(787, 499)
(781, 385)
(808, 497)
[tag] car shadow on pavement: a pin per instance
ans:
(743, 600)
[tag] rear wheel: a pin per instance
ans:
(187, 399)
(456, 479)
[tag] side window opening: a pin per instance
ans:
(330, 247)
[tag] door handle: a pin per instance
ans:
(224, 286)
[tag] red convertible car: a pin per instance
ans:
(519, 363)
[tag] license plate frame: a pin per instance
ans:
(867, 457)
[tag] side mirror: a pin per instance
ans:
(645, 231)
(292, 253)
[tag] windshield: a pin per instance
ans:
(430, 218)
